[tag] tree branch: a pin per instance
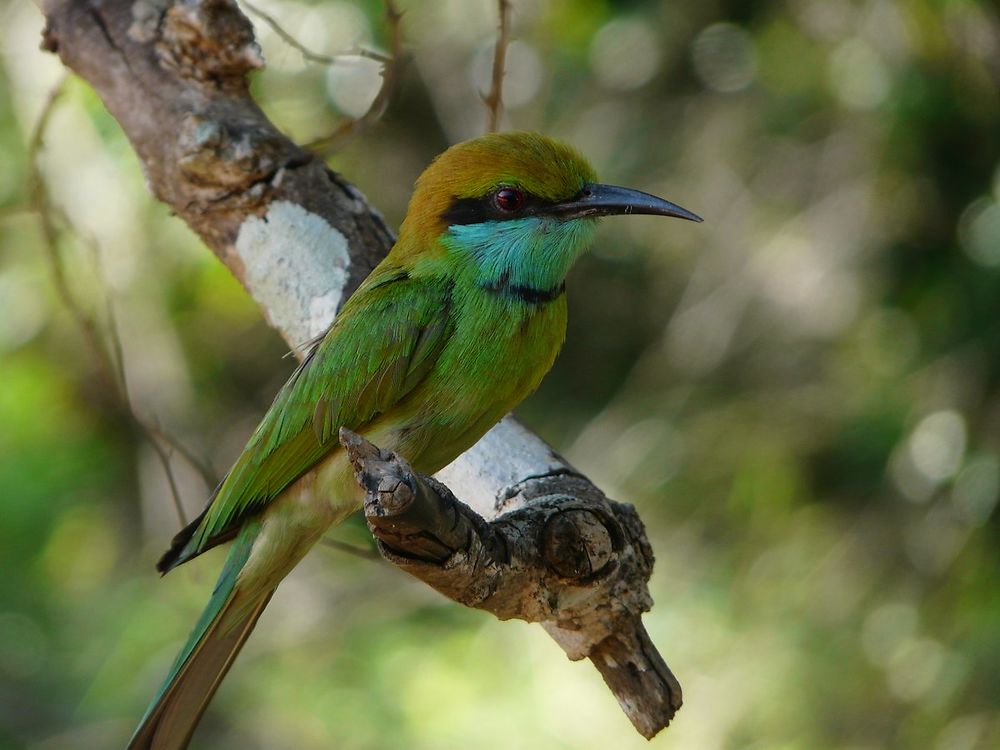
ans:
(577, 564)
(301, 238)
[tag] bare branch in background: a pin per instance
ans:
(208, 475)
(392, 64)
(164, 456)
(494, 99)
(351, 549)
(307, 53)
(16, 211)
(108, 356)
(49, 218)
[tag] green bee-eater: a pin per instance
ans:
(453, 329)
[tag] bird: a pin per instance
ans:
(451, 330)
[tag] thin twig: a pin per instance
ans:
(41, 203)
(351, 549)
(208, 475)
(111, 366)
(307, 53)
(151, 430)
(390, 76)
(494, 99)
(15, 211)
(164, 457)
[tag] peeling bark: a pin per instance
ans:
(174, 75)
(539, 541)
(576, 563)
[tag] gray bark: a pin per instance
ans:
(542, 543)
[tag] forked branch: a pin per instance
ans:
(391, 68)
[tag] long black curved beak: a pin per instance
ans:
(610, 200)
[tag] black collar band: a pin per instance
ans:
(525, 293)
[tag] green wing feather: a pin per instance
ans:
(382, 344)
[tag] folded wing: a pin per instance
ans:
(382, 344)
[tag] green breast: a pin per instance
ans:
(498, 354)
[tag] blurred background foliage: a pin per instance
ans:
(802, 395)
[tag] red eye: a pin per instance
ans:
(508, 199)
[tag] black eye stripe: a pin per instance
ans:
(484, 208)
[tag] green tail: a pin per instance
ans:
(215, 641)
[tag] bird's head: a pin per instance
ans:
(516, 209)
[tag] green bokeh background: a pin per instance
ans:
(802, 395)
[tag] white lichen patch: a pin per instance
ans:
(295, 267)
(504, 457)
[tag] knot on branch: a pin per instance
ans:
(209, 41)
(219, 153)
(580, 544)
(577, 564)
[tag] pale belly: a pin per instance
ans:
(299, 516)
